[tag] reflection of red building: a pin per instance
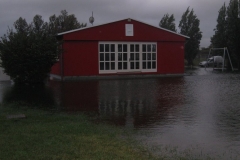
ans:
(132, 102)
(140, 102)
(123, 47)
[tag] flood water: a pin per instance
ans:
(199, 112)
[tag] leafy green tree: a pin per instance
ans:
(233, 30)
(21, 25)
(28, 53)
(64, 22)
(219, 39)
(189, 26)
(168, 22)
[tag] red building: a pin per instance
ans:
(125, 47)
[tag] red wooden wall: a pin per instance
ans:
(81, 58)
(170, 58)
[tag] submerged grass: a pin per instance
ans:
(47, 135)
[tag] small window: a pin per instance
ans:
(129, 29)
(112, 56)
(144, 48)
(125, 56)
(112, 48)
(124, 48)
(101, 47)
(106, 47)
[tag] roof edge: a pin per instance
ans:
(75, 30)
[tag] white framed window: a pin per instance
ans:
(129, 29)
(116, 57)
(149, 57)
(107, 58)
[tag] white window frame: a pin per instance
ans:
(129, 31)
(151, 60)
(128, 56)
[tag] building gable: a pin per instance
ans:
(124, 30)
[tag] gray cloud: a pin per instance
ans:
(150, 11)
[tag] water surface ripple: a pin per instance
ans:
(199, 112)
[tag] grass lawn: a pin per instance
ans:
(46, 135)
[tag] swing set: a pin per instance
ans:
(225, 52)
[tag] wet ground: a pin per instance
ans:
(199, 112)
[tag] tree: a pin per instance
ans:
(233, 30)
(64, 22)
(219, 39)
(28, 53)
(189, 26)
(167, 22)
(21, 25)
(29, 50)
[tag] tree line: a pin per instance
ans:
(227, 31)
(189, 26)
(28, 50)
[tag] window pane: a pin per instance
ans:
(119, 65)
(144, 56)
(124, 48)
(119, 48)
(144, 65)
(125, 56)
(106, 56)
(137, 56)
(106, 47)
(132, 48)
(102, 66)
(101, 47)
(131, 56)
(125, 65)
(112, 47)
(112, 56)
(107, 67)
(144, 48)
(137, 65)
(149, 56)
(154, 56)
(154, 48)
(154, 65)
(120, 56)
(136, 48)
(149, 48)
(149, 65)
(112, 65)
(101, 56)
(132, 65)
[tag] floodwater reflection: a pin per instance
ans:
(201, 110)
(39, 96)
(139, 102)
(136, 102)
(76, 96)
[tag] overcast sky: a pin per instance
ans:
(148, 11)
